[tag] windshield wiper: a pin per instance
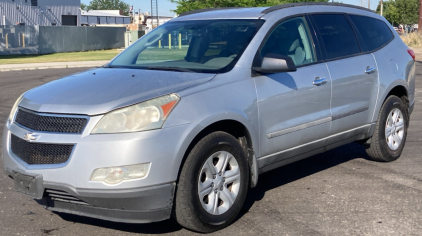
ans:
(169, 68)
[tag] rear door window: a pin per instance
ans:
(337, 35)
(375, 33)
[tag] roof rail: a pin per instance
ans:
(208, 9)
(299, 4)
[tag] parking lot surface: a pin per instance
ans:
(338, 192)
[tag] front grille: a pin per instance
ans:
(50, 123)
(62, 196)
(40, 153)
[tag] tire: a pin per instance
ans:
(190, 211)
(379, 149)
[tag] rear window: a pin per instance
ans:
(375, 33)
(337, 35)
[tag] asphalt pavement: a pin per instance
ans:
(338, 192)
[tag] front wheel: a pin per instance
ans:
(390, 133)
(213, 184)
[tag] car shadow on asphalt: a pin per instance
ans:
(162, 227)
(298, 170)
(267, 181)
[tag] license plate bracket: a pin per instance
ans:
(30, 185)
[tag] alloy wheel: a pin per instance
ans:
(394, 129)
(219, 183)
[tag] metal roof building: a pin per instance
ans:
(40, 12)
(104, 17)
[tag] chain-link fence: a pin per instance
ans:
(19, 40)
(16, 40)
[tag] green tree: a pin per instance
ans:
(409, 11)
(190, 5)
(83, 6)
(400, 11)
(109, 5)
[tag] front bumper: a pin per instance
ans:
(139, 205)
(142, 205)
(134, 201)
(163, 148)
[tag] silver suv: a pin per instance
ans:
(184, 121)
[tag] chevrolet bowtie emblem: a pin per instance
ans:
(29, 137)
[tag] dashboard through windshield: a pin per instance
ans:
(206, 46)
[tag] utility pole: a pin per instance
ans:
(154, 13)
(369, 4)
(382, 6)
(420, 16)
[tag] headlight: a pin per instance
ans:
(14, 108)
(143, 116)
(115, 175)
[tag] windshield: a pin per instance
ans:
(207, 46)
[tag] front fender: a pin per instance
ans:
(217, 100)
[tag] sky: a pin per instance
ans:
(165, 6)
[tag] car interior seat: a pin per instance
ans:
(297, 53)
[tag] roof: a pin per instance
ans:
(100, 13)
(299, 4)
(215, 13)
(255, 12)
(149, 17)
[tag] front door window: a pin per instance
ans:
(291, 38)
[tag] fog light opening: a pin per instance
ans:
(115, 175)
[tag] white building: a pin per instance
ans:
(104, 17)
(40, 12)
(161, 20)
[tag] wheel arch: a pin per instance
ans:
(239, 130)
(398, 88)
(400, 91)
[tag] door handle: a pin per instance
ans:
(319, 81)
(370, 70)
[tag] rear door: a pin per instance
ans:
(354, 75)
(375, 37)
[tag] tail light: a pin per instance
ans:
(412, 54)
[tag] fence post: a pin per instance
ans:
(7, 41)
(180, 41)
(159, 43)
(169, 41)
(23, 40)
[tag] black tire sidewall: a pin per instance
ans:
(392, 103)
(204, 151)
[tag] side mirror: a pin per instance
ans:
(274, 63)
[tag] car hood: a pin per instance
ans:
(101, 90)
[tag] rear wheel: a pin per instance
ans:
(390, 133)
(213, 184)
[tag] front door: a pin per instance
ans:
(294, 107)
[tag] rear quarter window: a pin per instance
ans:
(375, 33)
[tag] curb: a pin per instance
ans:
(43, 66)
